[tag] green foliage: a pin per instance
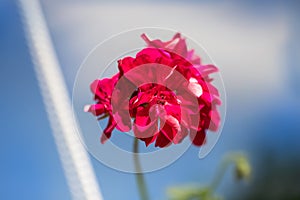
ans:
(242, 171)
(191, 193)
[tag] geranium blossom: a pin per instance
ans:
(165, 91)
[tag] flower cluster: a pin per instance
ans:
(163, 95)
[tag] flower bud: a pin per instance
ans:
(242, 167)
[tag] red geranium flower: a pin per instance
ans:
(165, 90)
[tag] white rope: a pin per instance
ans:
(76, 164)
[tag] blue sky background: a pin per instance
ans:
(255, 44)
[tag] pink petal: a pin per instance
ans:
(198, 138)
(179, 47)
(205, 70)
(142, 116)
(96, 109)
(193, 58)
(215, 120)
(194, 87)
(125, 64)
(162, 141)
(167, 133)
(146, 132)
(149, 140)
(180, 135)
(108, 130)
(123, 121)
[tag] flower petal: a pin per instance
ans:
(194, 87)
(108, 130)
(146, 133)
(125, 64)
(162, 141)
(180, 135)
(95, 109)
(198, 138)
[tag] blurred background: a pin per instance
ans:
(254, 43)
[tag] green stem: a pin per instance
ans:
(139, 175)
(220, 174)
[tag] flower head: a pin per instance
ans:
(163, 94)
